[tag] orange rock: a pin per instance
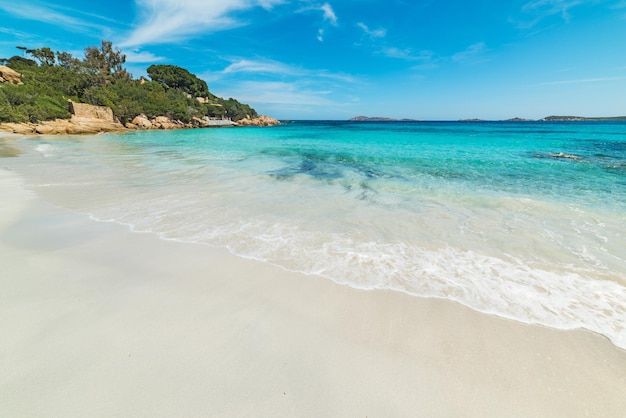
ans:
(8, 75)
(258, 121)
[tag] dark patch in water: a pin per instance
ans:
(309, 168)
(366, 191)
(325, 165)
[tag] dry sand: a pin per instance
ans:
(97, 321)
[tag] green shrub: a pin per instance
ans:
(100, 79)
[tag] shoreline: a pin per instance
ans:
(102, 321)
(93, 125)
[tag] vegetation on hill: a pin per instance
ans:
(52, 78)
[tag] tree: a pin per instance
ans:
(67, 61)
(44, 55)
(100, 79)
(17, 62)
(236, 110)
(173, 77)
(105, 64)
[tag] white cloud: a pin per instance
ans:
(275, 68)
(373, 33)
(53, 17)
(407, 54)
(166, 21)
(329, 14)
(320, 35)
(141, 57)
(282, 89)
(251, 66)
(280, 92)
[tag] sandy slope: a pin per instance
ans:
(98, 321)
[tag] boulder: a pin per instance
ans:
(258, 121)
(142, 122)
(200, 122)
(92, 126)
(18, 128)
(84, 110)
(163, 122)
(55, 127)
(8, 75)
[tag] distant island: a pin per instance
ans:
(516, 119)
(379, 119)
(581, 118)
(49, 92)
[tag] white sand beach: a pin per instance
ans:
(98, 321)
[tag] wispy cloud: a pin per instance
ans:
(280, 92)
(329, 18)
(282, 88)
(473, 53)
(49, 15)
(542, 9)
(372, 33)
(329, 14)
(407, 54)
(15, 33)
(244, 65)
(279, 69)
(282, 98)
(582, 81)
(135, 56)
(166, 21)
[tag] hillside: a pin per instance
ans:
(47, 80)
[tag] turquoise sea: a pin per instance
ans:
(524, 220)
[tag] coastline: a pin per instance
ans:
(95, 325)
(93, 125)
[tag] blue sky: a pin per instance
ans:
(302, 59)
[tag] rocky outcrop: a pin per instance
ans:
(62, 127)
(142, 122)
(8, 75)
(87, 111)
(163, 122)
(160, 122)
(18, 128)
(258, 121)
(89, 119)
(86, 119)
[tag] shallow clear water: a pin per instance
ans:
(522, 220)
